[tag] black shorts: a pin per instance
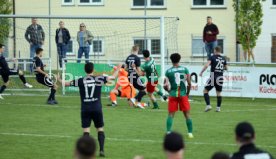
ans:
(216, 82)
(137, 83)
(6, 75)
(88, 116)
(45, 81)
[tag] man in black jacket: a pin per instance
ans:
(245, 136)
(210, 33)
(62, 39)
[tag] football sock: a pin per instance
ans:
(169, 123)
(101, 138)
(189, 124)
(52, 94)
(2, 89)
(207, 98)
(219, 98)
(86, 134)
(160, 93)
(155, 104)
(112, 96)
(22, 78)
(50, 97)
(140, 95)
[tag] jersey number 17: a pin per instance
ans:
(89, 93)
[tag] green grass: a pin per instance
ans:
(31, 129)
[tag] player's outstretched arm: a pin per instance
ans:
(205, 67)
(226, 67)
(117, 86)
(66, 84)
(115, 74)
(15, 63)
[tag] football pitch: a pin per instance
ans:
(31, 129)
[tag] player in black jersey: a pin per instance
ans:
(133, 77)
(91, 107)
(218, 65)
(5, 72)
(42, 77)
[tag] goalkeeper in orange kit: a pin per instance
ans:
(123, 88)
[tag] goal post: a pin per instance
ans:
(162, 43)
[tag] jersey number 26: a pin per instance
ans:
(219, 64)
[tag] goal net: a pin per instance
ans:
(112, 42)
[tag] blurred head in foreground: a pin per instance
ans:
(174, 146)
(85, 148)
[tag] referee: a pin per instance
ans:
(245, 136)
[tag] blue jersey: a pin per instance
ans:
(90, 91)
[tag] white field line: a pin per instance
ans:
(126, 109)
(105, 97)
(127, 139)
(36, 135)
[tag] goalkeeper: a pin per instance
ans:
(123, 88)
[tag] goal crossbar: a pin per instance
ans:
(78, 17)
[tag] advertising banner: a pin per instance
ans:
(255, 82)
(239, 81)
(76, 70)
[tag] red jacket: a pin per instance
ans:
(210, 37)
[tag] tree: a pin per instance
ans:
(249, 15)
(5, 8)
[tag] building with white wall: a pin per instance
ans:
(192, 15)
(264, 50)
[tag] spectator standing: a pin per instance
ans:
(210, 33)
(62, 39)
(35, 36)
(245, 136)
(84, 39)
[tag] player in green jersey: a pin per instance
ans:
(148, 69)
(175, 80)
